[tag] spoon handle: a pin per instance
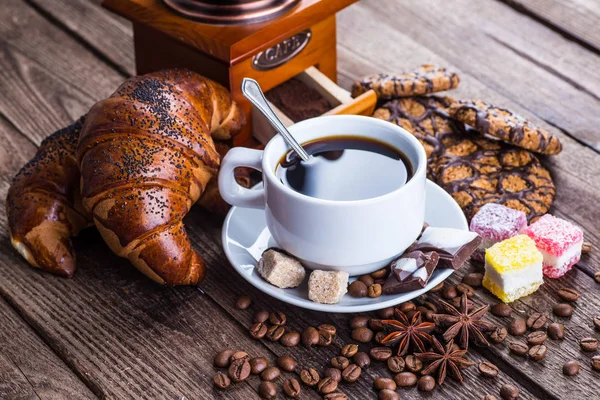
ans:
(251, 89)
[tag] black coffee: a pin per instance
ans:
(345, 168)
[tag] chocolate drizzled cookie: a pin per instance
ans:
(505, 125)
(427, 79)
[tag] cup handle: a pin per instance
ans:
(230, 190)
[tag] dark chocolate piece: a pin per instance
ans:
(410, 272)
(454, 246)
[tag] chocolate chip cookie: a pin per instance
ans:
(505, 125)
(427, 79)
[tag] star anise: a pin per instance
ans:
(444, 359)
(463, 324)
(416, 331)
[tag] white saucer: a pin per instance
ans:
(246, 236)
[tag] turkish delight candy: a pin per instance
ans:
(327, 287)
(454, 246)
(280, 269)
(495, 223)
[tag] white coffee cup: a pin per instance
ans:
(357, 236)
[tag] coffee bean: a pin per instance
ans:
(380, 337)
(309, 337)
(374, 290)
(463, 288)
(222, 358)
(405, 379)
(277, 318)
(358, 289)
(367, 280)
(426, 383)
(386, 313)
(380, 273)
(325, 338)
(474, 279)
(362, 335)
(380, 353)
(290, 339)
(537, 337)
(221, 381)
(332, 373)
(509, 392)
(270, 374)
(488, 369)
(275, 332)
(571, 368)
(243, 302)
(310, 377)
(387, 394)
(449, 292)
(437, 288)
(330, 329)
(518, 348)
(384, 383)
(239, 355)
(517, 327)
(359, 322)
(586, 248)
(349, 350)
(258, 330)
(589, 344)
(431, 306)
(351, 373)
(562, 310)
(261, 316)
(501, 310)
(536, 321)
(267, 390)
(595, 363)
(340, 362)
(568, 294)
(362, 359)
(413, 364)
(596, 321)
(556, 331)
(286, 363)
(376, 324)
(407, 306)
(538, 352)
(327, 385)
(258, 365)
(498, 335)
(597, 277)
(396, 364)
(291, 388)
(239, 370)
(335, 396)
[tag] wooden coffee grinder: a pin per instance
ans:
(271, 41)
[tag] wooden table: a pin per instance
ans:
(112, 333)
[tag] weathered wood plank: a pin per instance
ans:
(13, 383)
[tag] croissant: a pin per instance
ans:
(44, 205)
(145, 156)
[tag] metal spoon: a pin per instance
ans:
(251, 89)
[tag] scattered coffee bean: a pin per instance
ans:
(286, 363)
(239, 370)
(325, 338)
(310, 377)
(568, 294)
(537, 337)
(501, 310)
(362, 359)
(407, 306)
(498, 335)
(595, 363)
(380, 273)
(380, 353)
(589, 344)
(222, 358)
(261, 316)
(405, 379)
(243, 302)
(488, 369)
(596, 321)
(275, 332)
(597, 277)
(367, 280)
(412, 363)
(359, 322)
(258, 365)
(571, 368)
(449, 292)
(335, 396)
(379, 336)
(556, 331)
(269, 374)
(474, 279)
(384, 383)
(238, 355)
(395, 364)
(327, 385)
(374, 290)
(518, 348)
(586, 248)
(267, 390)
(562, 310)
(351, 373)
(376, 324)
(437, 287)
(309, 337)
(517, 327)
(463, 288)
(349, 350)
(538, 352)
(258, 330)
(536, 321)
(291, 388)
(290, 339)
(387, 394)
(332, 373)
(221, 381)
(362, 335)
(426, 383)
(431, 306)
(277, 318)
(340, 362)
(332, 330)
(357, 289)
(509, 392)
(386, 313)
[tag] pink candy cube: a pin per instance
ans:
(495, 223)
(559, 241)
